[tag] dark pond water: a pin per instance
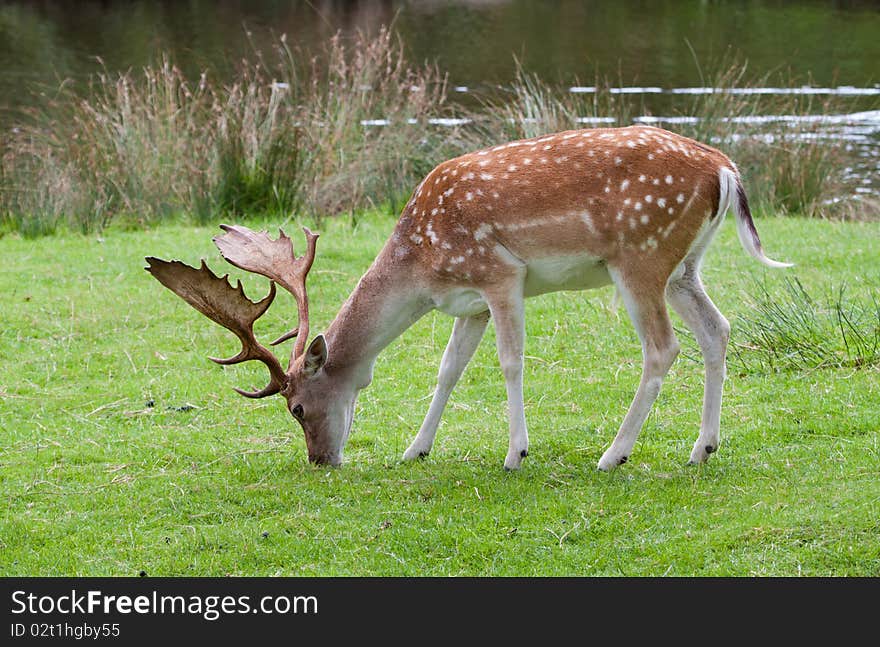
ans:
(638, 42)
(648, 47)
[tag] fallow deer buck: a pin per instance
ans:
(634, 206)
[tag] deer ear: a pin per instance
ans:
(315, 356)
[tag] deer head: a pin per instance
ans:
(228, 306)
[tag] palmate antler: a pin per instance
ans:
(274, 259)
(215, 298)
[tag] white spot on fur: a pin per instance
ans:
(649, 198)
(468, 196)
(482, 231)
(661, 202)
(679, 198)
(668, 179)
(644, 219)
(624, 185)
(429, 232)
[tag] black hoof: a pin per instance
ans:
(710, 449)
(524, 453)
(423, 454)
(623, 460)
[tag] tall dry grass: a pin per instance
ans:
(792, 170)
(531, 107)
(795, 169)
(346, 129)
(290, 133)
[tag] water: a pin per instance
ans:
(657, 50)
(640, 43)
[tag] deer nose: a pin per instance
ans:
(325, 459)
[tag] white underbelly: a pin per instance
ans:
(542, 276)
(565, 273)
(462, 302)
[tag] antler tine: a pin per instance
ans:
(274, 259)
(228, 306)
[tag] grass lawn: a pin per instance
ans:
(123, 449)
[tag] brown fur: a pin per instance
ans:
(534, 200)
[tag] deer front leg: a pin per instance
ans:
(508, 311)
(646, 306)
(466, 335)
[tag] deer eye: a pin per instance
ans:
(297, 411)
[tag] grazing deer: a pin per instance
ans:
(635, 206)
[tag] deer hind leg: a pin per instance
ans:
(466, 335)
(645, 303)
(688, 298)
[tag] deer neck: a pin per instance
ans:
(383, 305)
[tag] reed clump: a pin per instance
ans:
(790, 329)
(290, 133)
(353, 127)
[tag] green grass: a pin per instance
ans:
(98, 483)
